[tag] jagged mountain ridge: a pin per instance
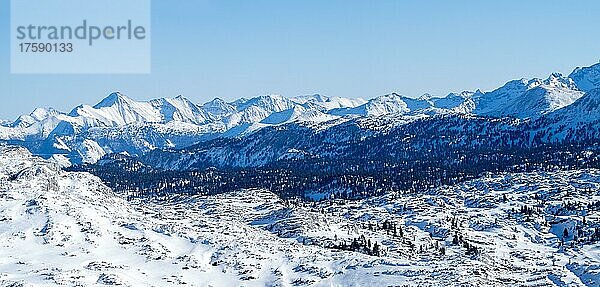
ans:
(528, 98)
(391, 137)
(120, 124)
(587, 78)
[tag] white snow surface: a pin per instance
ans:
(528, 98)
(61, 228)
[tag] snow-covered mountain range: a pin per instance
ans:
(497, 188)
(119, 124)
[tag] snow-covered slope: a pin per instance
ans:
(180, 109)
(328, 103)
(584, 111)
(461, 101)
(587, 78)
(60, 228)
(534, 229)
(528, 98)
(382, 105)
(117, 110)
(218, 108)
(298, 114)
(394, 104)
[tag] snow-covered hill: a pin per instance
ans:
(574, 122)
(534, 229)
(387, 104)
(528, 98)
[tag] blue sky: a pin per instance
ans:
(232, 49)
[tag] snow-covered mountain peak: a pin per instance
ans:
(180, 109)
(215, 101)
(321, 98)
(298, 114)
(386, 104)
(115, 98)
(23, 121)
(388, 98)
(42, 113)
(557, 80)
(426, 97)
(458, 102)
(117, 110)
(311, 98)
(528, 98)
(516, 84)
(37, 115)
(178, 101)
(270, 103)
(463, 94)
(506, 92)
(218, 107)
(326, 103)
(555, 75)
(587, 78)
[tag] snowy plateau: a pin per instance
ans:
(63, 228)
(497, 188)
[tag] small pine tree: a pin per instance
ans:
(376, 251)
